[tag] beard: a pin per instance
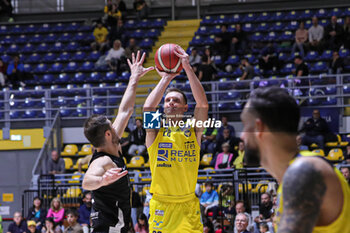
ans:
(252, 156)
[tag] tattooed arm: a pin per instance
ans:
(303, 192)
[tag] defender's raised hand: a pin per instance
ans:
(112, 175)
(136, 68)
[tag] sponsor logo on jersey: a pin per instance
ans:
(163, 165)
(167, 145)
(162, 155)
(157, 223)
(159, 212)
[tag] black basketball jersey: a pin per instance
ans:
(111, 207)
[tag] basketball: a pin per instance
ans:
(166, 60)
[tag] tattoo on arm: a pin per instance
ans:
(303, 192)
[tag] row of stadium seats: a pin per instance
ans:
(274, 16)
(47, 38)
(44, 28)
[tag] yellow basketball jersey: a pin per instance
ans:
(341, 224)
(174, 160)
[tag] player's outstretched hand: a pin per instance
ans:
(112, 175)
(136, 68)
(180, 52)
(166, 75)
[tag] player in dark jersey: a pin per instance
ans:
(107, 175)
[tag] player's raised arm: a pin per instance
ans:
(201, 110)
(126, 107)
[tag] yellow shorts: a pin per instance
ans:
(175, 217)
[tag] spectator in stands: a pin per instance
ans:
(315, 129)
(85, 211)
(3, 71)
(208, 140)
(300, 145)
(268, 61)
(195, 59)
(219, 48)
(301, 69)
(141, 9)
(264, 228)
(32, 227)
(228, 201)
(6, 8)
(336, 64)
(56, 211)
(132, 48)
(346, 35)
(247, 69)
(227, 138)
(315, 35)
(135, 207)
(224, 126)
(347, 155)
(346, 173)
(18, 225)
(238, 41)
(208, 226)
(226, 37)
(122, 7)
(49, 226)
(15, 72)
(146, 203)
(100, 33)
(209, 201)
(138, 139)
(142, 224)
(241, 223)
(117, 33)
(115, 56)
(333, 34)
(301, 36)
(225, 158)
(240, 209)
(73, 225)
(265, 211)
(239, 161)
(206, 70)
(37, 213)
(56, 164)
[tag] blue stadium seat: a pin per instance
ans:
(306, 14)
(346, 89)
(95, 77)
(224, 106)
(43, 47)
(98, 100)
(22, 39)
(59, 27)
(93, 56)
(249, 18)
(65, 37)
(6, 58)
(29, 103)
(49, 57)
(60, 101)
(292, 15)
(287, 36)
(257, 36)
(283, 57)
(217, 60)
(311, 56)
(337, 12)
(37, 38)
(251, 58)
(231, 28)
(8, 39)
(27, 68)
(158, 23)
(278, 26)
(64, 57)
(30, 28)
(71, 90)
(3, 29)
(79, 56)
(343, 53)
(145, 23)
(346, 12)
(313, 101)
(2, 48)
(13, 49)
(272, 36)
(29, 114)
(331, 90)
(87, 66)
(293, 25)
(319, 67)
(153, 33)
(99, 110)
(263, 27)
(130, 24)
(263, 17)
(330, 101)
(232, 60)
(65, 112)
(15, 114)
(28, 48)
(78, 100)
(79, 36)
(203, 30)
(63, 78)
(72, 46)
(221, 19)
(111, 76)
(248, 27)
(146, 43)
(225, 84)
(72, 67)
(238, 72)
(326, 55)
(80, 112)
(323, 22)
(208, 20)
(56, 67)
(72, 27)
(215, 30)
(125, 76)
(321, 13)
(41, 68)
(138, 34)
(79, 78)
(47, 79)
(196, 41)
(236, 18)
(288, 68)
(119, 88)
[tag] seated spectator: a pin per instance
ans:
(240, 209)
(135, 207)
(264, 228)
(346, 173)
(18, 225)
(315, 130)
(6, 9)
(122, 7)
(241, 223)
(346, 35)
(238, 162)
(56, 164)
(138, 139)
(301, 69)
(141, 9)
(206, 70)
(37, 213)
(219, 49)
(225, 125)
(347, 155)
(100, 33)
(208, 140)
(117, 33)
(268, 61)
(224, 159)
(115, 55)
(32, 227)
(265, 211)
(73, 225)
(228, 201)
(333, 34)
(85, 211)
(301, 36)
(195, 59)
(3, 72)
(238, 41)
(142, 224)
(315, 35)
(51, 227)
(336, 65)
(15, 72)
(56, 211)
(300, 145)
(225, 139)
(208, 226)
(132, 48)
(247, 69)
(209, 201)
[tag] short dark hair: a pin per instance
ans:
(264, 225)
(94, 129)
(72, 211)
(298, 57)
(276, 108)
(172, 89)
(138, 119)
(209, 184)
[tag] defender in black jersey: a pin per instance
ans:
(107, 175)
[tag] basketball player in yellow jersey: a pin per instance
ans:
(313, 196)
(174, 156)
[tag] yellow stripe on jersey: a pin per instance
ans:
(174, 160)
